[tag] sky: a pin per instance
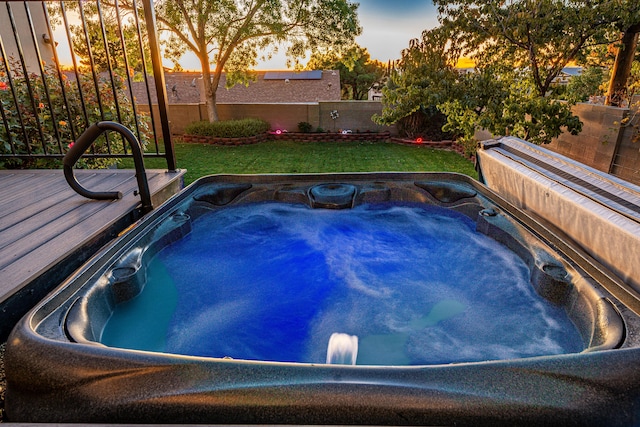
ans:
(387, 27)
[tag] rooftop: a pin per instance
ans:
(269, 87)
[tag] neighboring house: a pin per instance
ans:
(270, 87)
(467, 70)
(563, 78)
(375, 94)
(566, 74)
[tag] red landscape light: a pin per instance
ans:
(419, 140)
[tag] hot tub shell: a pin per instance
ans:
(57, 371)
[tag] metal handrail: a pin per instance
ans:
(85, 141)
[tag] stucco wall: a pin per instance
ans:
(280, 116)
(626, 162)
(353, 115)
(604, 143)
(596, 144)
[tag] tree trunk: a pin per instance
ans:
(212, 106)
(617, 93)
(210, 88)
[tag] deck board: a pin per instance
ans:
(43, 221)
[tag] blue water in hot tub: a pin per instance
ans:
(271, 281)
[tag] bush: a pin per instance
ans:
(39, 120)
(427, 123)
(590, 83)
(305, 127)
(228, 128)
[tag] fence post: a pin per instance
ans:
(158, 77)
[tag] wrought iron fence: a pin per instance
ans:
(66, 65)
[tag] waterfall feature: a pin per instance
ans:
(342, 349)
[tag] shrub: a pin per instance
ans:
(46, 125)
(592, 82)
(228, 128)
(426, 122)
(305, 127)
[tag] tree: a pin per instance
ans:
(580, 88)
(105, 50)
(114, 52)
(230, 34)
(618, 85)
(626, 31)
(545, 35)
(418, 83)
(358, 72)
(503, 95)
(519, 48)
(540, 36)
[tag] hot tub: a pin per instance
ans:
(387, 298)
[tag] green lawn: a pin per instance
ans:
(310, 157)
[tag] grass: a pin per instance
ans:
(310, 157)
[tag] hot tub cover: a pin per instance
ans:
(598, 211)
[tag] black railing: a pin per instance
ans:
(66, 65)
(85, 141)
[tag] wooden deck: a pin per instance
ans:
(47, 230)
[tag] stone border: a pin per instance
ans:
(331, 136)
(225, 141)
(287, 136)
